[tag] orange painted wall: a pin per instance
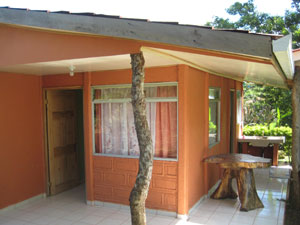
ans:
(202, 176)
(114, 179)
(22, 173)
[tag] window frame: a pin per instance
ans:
(218, 101)
(128, 100)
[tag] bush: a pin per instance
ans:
(212, 128)
(264, 130)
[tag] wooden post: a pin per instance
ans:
(140, 190)
(88, 138)
(245, 147)
(275, 154)
(296, 138)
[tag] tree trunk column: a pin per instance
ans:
(296, 138)
(225, 189)
(139, 192)
(247, 190)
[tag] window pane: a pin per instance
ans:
(238, 107)
(166, 130)
(213, 122)
(114, 127)
(120, 93)
(214, 116)
(214, 93)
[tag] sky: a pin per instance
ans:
(196, 12)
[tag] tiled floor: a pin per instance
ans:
(70, 208)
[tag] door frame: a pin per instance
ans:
(45, 123)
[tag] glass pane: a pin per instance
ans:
(112, 93)
(120, 93)
(238, 107)
(213, 122)
(166, 130)
(214, 93)
(115, 131)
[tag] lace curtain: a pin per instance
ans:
(114, 123)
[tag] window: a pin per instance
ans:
(114, 129)
(238, 107)
(214, 116)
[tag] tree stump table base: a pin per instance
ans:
(246, 188)
(240, 167)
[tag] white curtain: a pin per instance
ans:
(118, 129)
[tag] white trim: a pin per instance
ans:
(134, 157)
(19, 204)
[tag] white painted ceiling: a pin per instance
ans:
(232, 68)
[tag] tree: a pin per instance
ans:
(258, 22)
(251, 19)
(265, 104)
(296, 141)
(140, 190)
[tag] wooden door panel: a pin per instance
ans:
(62, 131)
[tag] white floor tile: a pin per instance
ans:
(265, 221)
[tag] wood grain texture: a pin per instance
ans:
(239, 166)
(239, 161)
(62, 130)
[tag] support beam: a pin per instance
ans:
(296, 139)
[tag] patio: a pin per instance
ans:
(70, 208)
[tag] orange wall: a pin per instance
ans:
(21, 137)
(202, 176)
(114, 179)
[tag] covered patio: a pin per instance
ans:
(70, 208)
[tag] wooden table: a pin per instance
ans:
(239, 166)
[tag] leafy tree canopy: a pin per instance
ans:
(259, 22)
(263, 104)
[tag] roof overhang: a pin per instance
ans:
(253, 54)
(282, 49)
(262, 72)
(236, 42)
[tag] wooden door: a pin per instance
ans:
(62, 140)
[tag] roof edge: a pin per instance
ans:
(180, 35)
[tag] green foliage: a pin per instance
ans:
(212, 128)
(264, 104)
(259, 22)
(265, 130)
